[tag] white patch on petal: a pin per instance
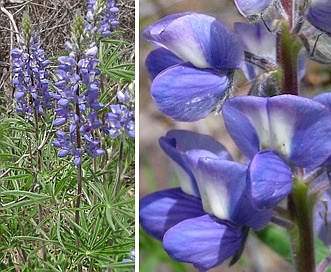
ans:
(213, 194)
(282, 132)
(260, 121)
(191, 51)
(185, 182)
(185, 42)
(215, 200)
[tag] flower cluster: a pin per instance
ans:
(206, 210)
(30, 81)
(284, 138)
(221, 197)
(121, 118)
(101, 16)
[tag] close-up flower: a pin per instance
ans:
(213, 198)
(273, 117)
(297, 128)
(194, 61)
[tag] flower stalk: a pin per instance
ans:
(287, 57)
(300, 206)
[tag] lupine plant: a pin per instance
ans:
(283, 132)
(67, 198)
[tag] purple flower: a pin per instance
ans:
(30, 81)
(130, 127)
(77, 97)
(91, 147)
(77, 153)
(101, 18)
(297, 128)
(197, 38)
(252, 8)
(188, 233)
(132, 256)
(62, 142)
(288, 129)
(190, 72)
(120, 118)
(203, 222)
(319, 14)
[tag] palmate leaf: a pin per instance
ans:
(120, 265)
(113, 62)
(26, 198)
(18, 177)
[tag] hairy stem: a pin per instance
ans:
(260, 62)
(282, 222)
(288, 7)
(287, 58)
(300, 206)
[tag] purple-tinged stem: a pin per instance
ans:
(287, 58)
(288, 8)
(39, 168)
(281, 222)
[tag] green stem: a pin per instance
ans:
(300, 206)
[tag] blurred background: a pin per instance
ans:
(156, 172)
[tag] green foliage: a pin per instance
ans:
(277, 239)
(321, 252)
(112, 52)
(38, 231)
